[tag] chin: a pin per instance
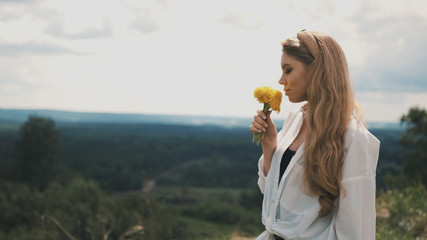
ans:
(296, 100)
(292, 100)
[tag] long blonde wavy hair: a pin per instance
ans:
(330, 106)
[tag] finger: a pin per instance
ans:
(261, 114)
(268, 119)
(258, 126)
(253, 129)
(260, 121)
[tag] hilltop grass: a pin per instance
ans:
(402, 214)
(211, 213)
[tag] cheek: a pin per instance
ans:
(302, 80)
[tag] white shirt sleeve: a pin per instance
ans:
(356, 212)
(356, 215)
(261, 176)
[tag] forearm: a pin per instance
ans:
(268, 156)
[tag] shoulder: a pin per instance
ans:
(294, 116)
(358, 135)
(292, 121)
(362, 150)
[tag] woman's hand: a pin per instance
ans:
(263, 123)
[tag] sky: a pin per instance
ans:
(193, 57)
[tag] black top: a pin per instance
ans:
(286, 159)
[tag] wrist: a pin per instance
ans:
(269, 151)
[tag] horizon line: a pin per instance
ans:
(149, 114)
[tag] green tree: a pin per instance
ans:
(415, 139)
(38, 152)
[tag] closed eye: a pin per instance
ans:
(288, 70)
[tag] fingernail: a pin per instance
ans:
(264, 129)
(265, 117)
(266, 125)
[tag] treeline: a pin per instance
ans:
(122, 157)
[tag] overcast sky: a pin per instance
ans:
(194, 57)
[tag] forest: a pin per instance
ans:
(88, 180)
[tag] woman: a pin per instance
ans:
(318, 173)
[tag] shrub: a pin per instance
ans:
(402, 214)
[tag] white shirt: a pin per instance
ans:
(290, 213)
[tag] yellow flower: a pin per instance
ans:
(276, 100)
(271, 99)
(262, 94)
(270, 96)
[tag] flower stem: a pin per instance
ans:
(259, 136)
(266, 108)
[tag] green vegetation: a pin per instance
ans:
(148, 181)
(415, 138)
(402, 209)
(37, 161)
(402, 214)
(122, 156)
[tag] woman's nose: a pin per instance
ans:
(282, 80)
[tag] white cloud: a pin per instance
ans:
(56, 28)
(8, 50)
(244, 21)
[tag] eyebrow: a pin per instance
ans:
(285, 65)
